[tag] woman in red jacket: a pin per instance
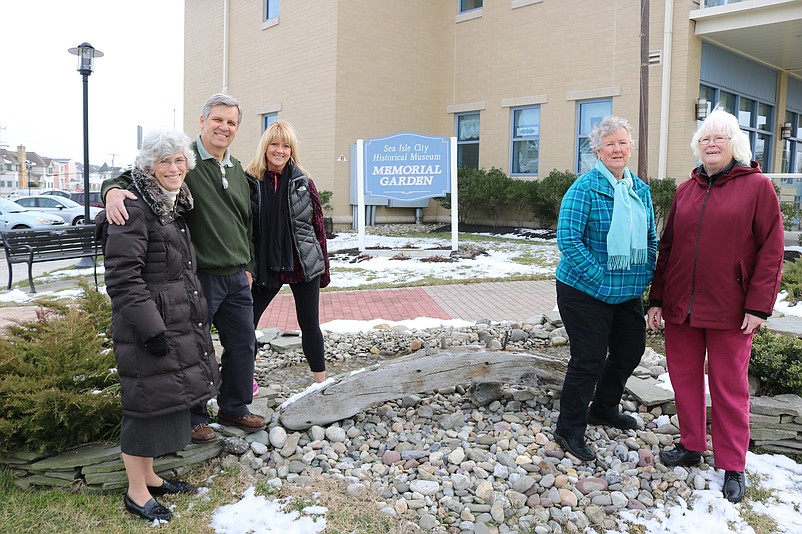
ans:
(718, 272)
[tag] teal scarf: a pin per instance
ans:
(626, 240)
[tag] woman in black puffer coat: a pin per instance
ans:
(160, 323)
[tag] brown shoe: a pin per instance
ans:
(203, 433)
(248, 423)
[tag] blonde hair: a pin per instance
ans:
(279, 131)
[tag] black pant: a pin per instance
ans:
(594, 328)
(307, 311)
(231, 312)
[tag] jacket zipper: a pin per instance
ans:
(696, 251)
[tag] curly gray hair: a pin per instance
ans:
(608, 125)
(161, 144)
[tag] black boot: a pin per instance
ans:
(680, 456)
(611, 417)
(576, 446)
(734, 485)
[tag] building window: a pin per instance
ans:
(591, 112)
(755, 118)
(268, 119)
(271, 9)
(468, 140)
(469, 5)
(525, 141)
(792, 147)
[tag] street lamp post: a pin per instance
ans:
(28, 166)
(86, 56)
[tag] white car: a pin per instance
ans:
(13, 216)
(69, 210)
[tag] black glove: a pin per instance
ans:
(158, 345)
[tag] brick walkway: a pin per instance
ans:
(497, 301)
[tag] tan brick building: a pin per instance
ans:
(519, 82)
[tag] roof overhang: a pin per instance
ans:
(768, 31)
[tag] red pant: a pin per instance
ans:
(728, 354)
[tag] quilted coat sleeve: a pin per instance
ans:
(126, 250)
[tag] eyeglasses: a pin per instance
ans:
(223, 180)
(167, 163)
(717, 140)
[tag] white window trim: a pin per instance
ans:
(524, 101)
(468, 15)
(522, 3)
(269, 23)
(594, 94)
(467, 107)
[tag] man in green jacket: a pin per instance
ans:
(221, 229)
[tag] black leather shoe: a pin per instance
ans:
(171, 486)
(680, 456)
(734, 485)
(575, 446)
(614, 418)
(151, 511)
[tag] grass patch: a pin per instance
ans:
(78, 510)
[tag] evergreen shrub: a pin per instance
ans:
(58, 384)
(549, 195)
(776, 361)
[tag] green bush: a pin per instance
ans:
(792, 281)
(777, 363)
(549, 193)
(789, 214)
(520, 198)
(58, 387)
(662, 191)
(492, 192)
(466, 193)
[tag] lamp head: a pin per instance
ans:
(86, 55)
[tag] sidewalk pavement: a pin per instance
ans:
(497, 301)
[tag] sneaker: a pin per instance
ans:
(249, 422)
(255, 387)
(613, 418)
(734, 486)
(203, 433)
(680, 456)
(575, 446)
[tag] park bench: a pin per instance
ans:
(34, 246)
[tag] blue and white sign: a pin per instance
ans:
(407, 166)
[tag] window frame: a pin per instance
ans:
(467, 142)
(462, 9)
(268, 119)
(791, 161)
(524, 139)
(272, 9)
(580, 137)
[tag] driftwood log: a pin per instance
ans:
(419, 372)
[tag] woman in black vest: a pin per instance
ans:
(289, 237)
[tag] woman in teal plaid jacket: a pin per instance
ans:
(608, 240)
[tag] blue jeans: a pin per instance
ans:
(594, 329)
(231, 311)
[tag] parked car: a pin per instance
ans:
(94, 198)
(16, 193)
(54, 192)
(13, 216)
(71, 212)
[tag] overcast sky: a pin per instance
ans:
(139, 81)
